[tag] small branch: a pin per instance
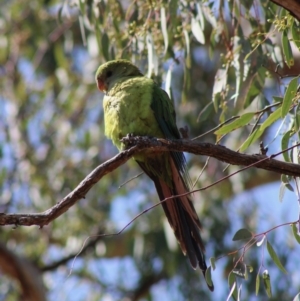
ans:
(139, 144)
(44, 218)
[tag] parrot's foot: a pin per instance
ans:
(184, 132)
(130, 140)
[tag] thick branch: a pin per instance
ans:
(140, 144)
(293, 6)
(25, 272)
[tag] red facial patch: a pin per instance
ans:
(101, 85)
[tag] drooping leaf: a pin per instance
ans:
(208, 278)
(287, 49)
(267, 283)
(242, 234)
(296, 233)
(296, 33)
(219, 86)
(275, 258)
(289, 96)
(197, 31)
(152, 56)
(281, 191)
(105, 45)
(286, 181)
(284, 145)
(163, 25)
(187, 49)
(212, 261)
(232, 285)
(257, 284)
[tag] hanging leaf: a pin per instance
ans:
(187, 49)
(197, 31)
(286, 181)
(267, 283)
(242, 234)
(163, 25)
(168, 83)
(105, 46)
(287, 49)
(281, 192)
(289, 96)
(296, 233)
(257, 284)
(275, 258)
(152, 57)
(284, 145)
(213, 262)
(219, 86)
(208, 278)
(296, 33)
(232, 285)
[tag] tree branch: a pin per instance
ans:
(139, 144)
(25, 272)
(293, 6)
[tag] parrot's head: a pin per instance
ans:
(112, 71)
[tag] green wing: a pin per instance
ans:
(165, 115)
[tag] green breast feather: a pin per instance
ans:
(127, 109)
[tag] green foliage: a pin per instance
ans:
(52, 136)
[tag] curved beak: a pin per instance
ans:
(101, 85)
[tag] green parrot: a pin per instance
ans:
(135, 104)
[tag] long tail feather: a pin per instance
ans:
(182, 216)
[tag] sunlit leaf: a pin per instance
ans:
(289, 96)
(287, 49)
(237, 123)
(219, 86)
(232, 285)
(197, 31)
(152, 56)
(281, 192)
(163, 24)
(258, 132)
(259, 243)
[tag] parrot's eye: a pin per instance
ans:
(109, 74)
